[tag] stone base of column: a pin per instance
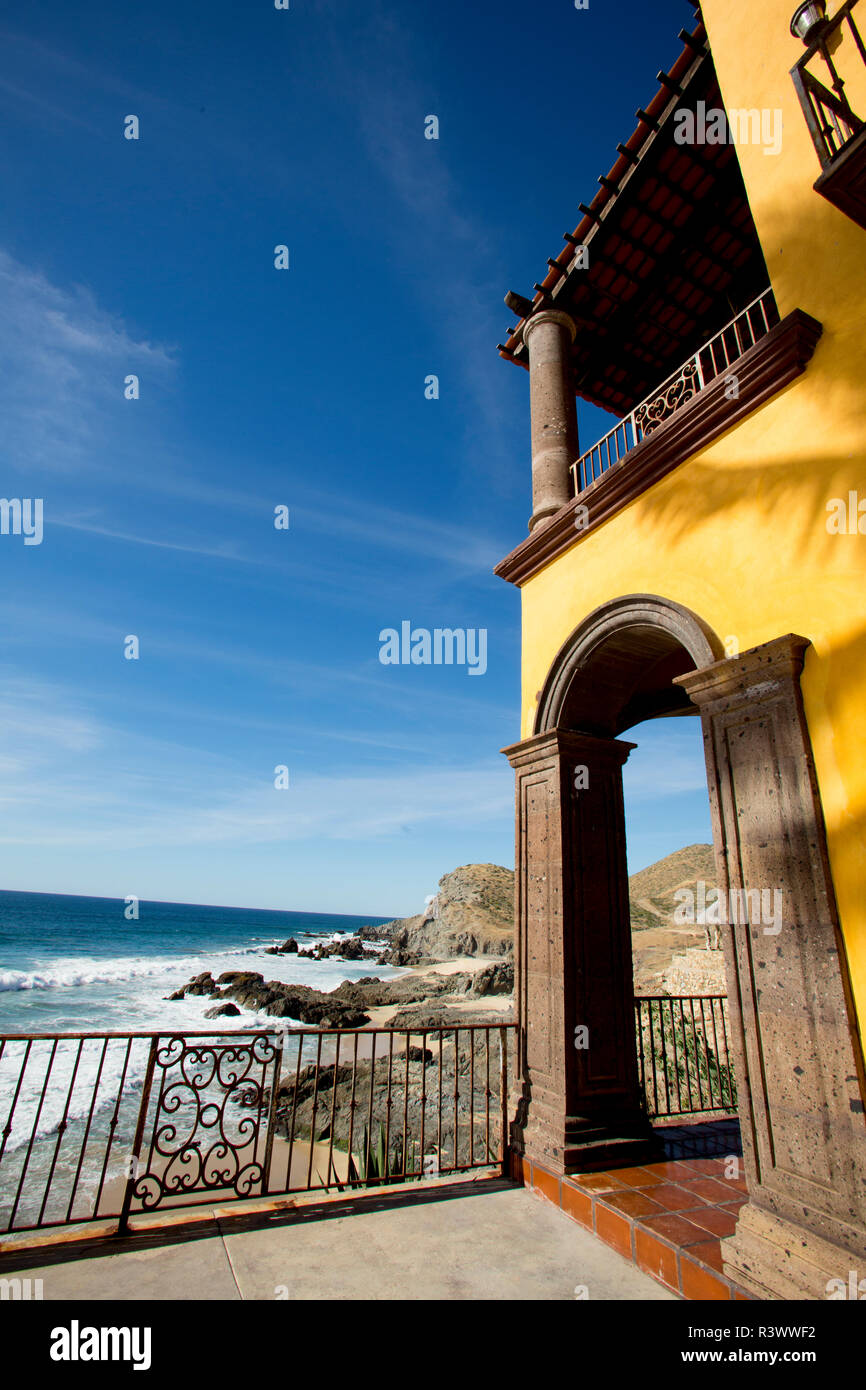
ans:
(584, 1145)
(774, 1259)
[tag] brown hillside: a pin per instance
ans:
(652, 890)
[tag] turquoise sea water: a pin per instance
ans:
(73, 964)
(77, 965)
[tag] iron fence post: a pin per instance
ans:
(132, 1176)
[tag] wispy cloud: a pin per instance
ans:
(63, 360)
(73, 780)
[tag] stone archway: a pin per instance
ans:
(797, 1054)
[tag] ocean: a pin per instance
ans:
(72, 964)
(76, 965)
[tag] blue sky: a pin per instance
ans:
(302, 388)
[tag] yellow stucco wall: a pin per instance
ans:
(739, 532)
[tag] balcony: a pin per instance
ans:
(717, 358)
(119, 1152)
(838, 133)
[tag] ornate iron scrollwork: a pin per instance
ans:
(214, 1094)
(673, 394)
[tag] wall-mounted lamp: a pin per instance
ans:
(809, 21)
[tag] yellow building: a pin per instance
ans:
(709, 556)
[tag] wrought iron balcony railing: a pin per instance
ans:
(108, 1126)
(99, 1126)
(712, 360)
(832, 122)
(684, 1055)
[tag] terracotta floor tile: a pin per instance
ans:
(546, 1183)
(656, 1258)
(710, 1252)
(632, 1203)
(597, 1182)
(718, 1220)
(709, 1167)
(671, 1170)
(615, 1230)
(675, 1198)
(700, 1284)
(577, 1204)
(709, 1188)
(638, 1177)
(675, 1228)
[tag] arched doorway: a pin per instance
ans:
(796, 1052)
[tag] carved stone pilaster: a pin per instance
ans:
(798, 1057)
(583, 1105)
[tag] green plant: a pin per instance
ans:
(685, 1061)
(377, 1166)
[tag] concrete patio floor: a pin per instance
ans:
(469, 1241)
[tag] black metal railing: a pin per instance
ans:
(102, 1126)
(684, 1058)
(717, 356)
(829, 115)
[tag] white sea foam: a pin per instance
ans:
(75, 971)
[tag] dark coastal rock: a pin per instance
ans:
(370, 993)
(222, 1011)
(383, 933)
(288, 948)
(313, 1006)
(497, 978)
(433, 1016)
(178, 994)
(201, 984)
(348, 947)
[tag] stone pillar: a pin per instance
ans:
(548, 337)
(797, 1055)
(582, 1106)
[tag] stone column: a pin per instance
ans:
(797, 1055)
(548, 337)
(582, 1106)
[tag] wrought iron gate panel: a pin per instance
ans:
(208, 1109)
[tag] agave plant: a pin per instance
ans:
(377, 1165)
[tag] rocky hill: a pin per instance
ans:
(471, 915)
(652, 891)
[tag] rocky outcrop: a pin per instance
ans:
(446, 1015)
(348, 947)
(200, 984)
(288, 948)
(300, 1002)
(222, 1011)
(370, 993)
(471, 915)
(493, 979)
